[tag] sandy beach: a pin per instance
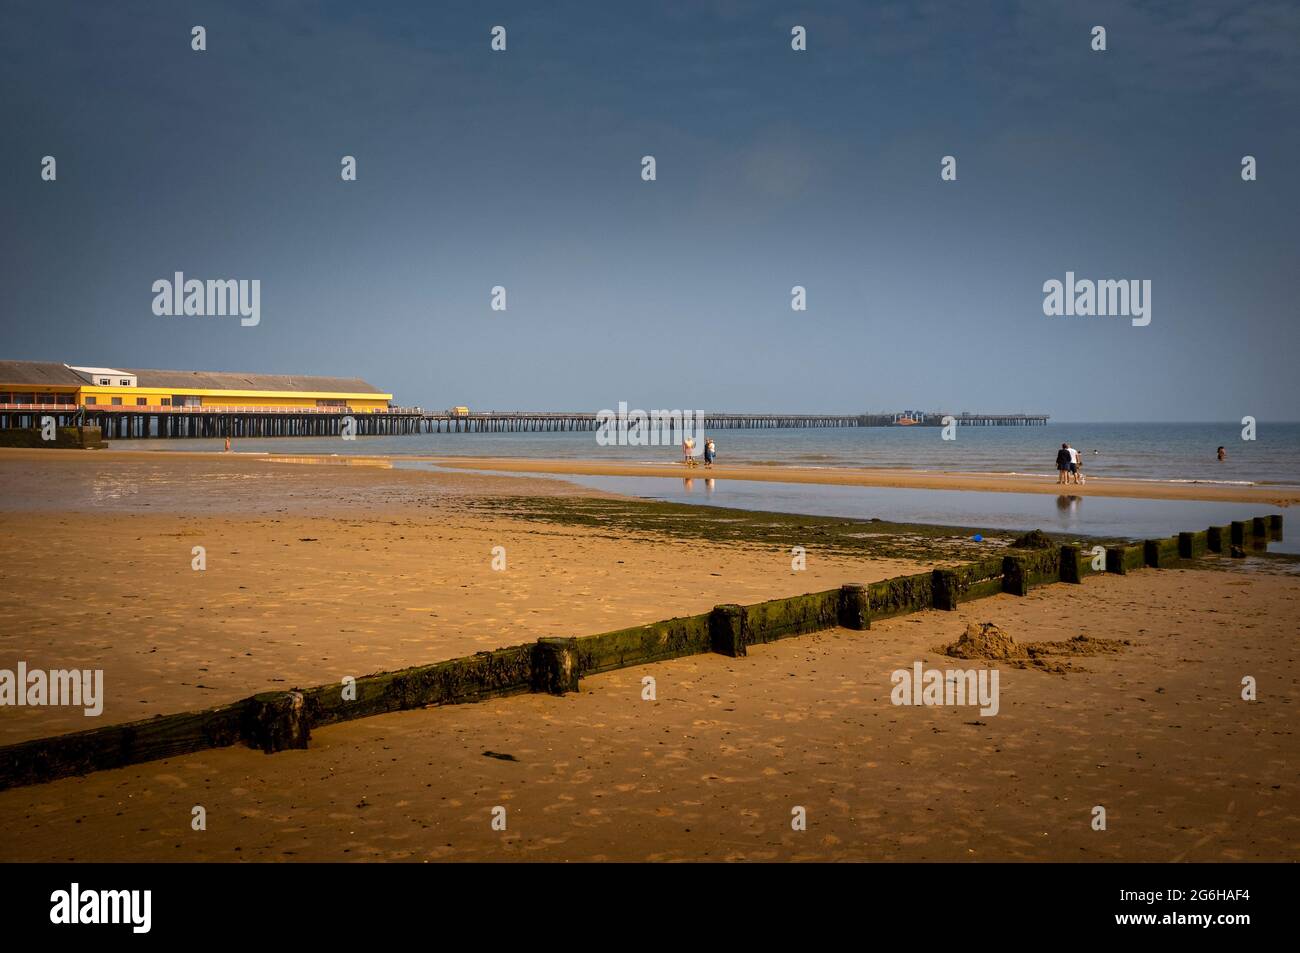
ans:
(317, 571)
(712, 769)
(313, 573)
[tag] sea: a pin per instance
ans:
(1159, 452)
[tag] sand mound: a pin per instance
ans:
(984, 641)
(987, 643)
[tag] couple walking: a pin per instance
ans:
(1069, 465)
(688, 452)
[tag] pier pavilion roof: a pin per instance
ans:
(48, 373)
(228, 380)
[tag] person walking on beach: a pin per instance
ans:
(688, 451)
(1063, 464)
(1074, 464)
(710, 451)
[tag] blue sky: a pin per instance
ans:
(775, 168)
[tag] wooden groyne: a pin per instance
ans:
(275, 721)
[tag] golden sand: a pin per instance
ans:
(314, 572)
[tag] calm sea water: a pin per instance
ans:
(1134, 451)
(1083, 516)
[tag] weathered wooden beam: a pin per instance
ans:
(727, 630)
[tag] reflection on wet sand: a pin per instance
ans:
(380, 462)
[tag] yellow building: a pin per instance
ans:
(29, 384)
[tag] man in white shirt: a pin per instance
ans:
(1074, 465)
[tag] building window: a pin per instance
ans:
(184, 400)
(105, 380)
(117, 401)
(166, 402)
(90, 400)
(125, 383)
(141, 401)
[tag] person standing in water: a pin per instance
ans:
(1223, 454)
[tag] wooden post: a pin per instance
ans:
(727, 630)
(1275, 526)
(1013, 576)
(1259, 529)
(1072, 564)
(1218, 538)
(1238, 533)
(274, 721)
(854, 607)
(1115, 560)
(555, 665)
(945, 589)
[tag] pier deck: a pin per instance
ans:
(123, 422)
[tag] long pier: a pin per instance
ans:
(127, 422)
